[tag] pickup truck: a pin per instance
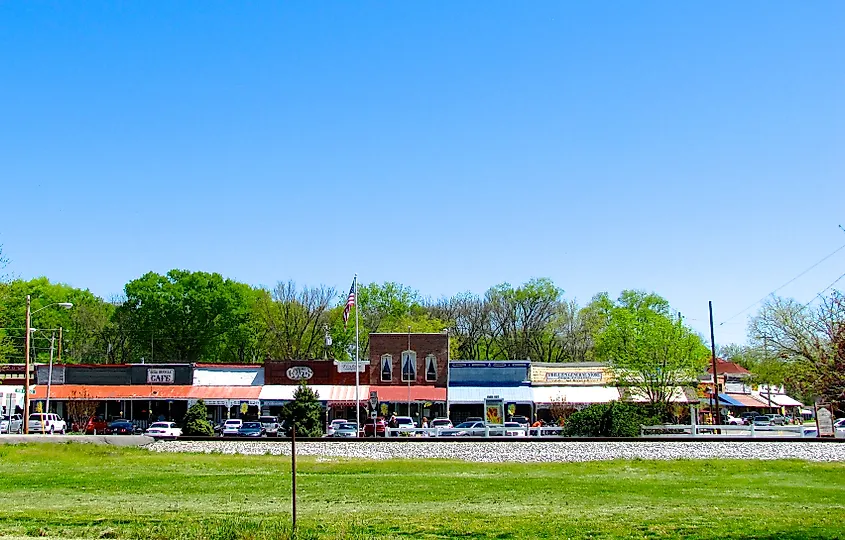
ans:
(13, 425)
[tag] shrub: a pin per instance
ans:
(608, 420)
(304, 412)
(195, 421)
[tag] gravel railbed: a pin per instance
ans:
(544, 452)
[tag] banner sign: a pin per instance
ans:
(160, 375)
(349, 367)
(575, 376)
(494, 410)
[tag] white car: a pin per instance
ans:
(231, 427)
(514, 429)
(405, 424)
(46, 423)
(163, 429)
(15, 425)
(336, 423)
(839, 428)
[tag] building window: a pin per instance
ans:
(386, 367)
(430, 368)
(409, 366)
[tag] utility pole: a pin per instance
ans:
(715, 373)
(26, 370)
(59, 359)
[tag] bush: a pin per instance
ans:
(304, 412)
(195, 421)
(608, 420)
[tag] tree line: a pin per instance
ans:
(185, 316)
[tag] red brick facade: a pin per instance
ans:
(322, 372)
(435, 346)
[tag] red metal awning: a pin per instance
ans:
(418, 393)
(746, 400)
(72, 392)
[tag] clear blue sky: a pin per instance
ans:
(692, 150)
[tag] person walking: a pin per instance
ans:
(424, 425)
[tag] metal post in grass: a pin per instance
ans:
(293, 479)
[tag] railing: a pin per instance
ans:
(487, 431)
(725, 430)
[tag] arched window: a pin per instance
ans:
(386, 367)
(409, 366)
(430, 368)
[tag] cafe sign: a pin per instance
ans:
(300, 373)
(160, 375)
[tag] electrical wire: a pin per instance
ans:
(840, 248)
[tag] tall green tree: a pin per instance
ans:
(650, 352)
(183, 316)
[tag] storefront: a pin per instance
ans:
(418, 402)
(228, 391)
(470, 383)
(559, 388)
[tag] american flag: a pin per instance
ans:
(350, 301)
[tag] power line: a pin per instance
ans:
(840, 248)
(823, 291)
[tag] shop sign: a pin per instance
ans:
(160, 376)
(494, 410)
(300, 373)
(571, 376)
(349, 367)
(464, 365)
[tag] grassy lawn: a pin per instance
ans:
(63, 491)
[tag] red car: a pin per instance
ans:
(380, 425)
(96, 423)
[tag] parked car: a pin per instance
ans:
(12, 425)
(46, 423)
(839, 423)
(748, 417)
(377, 430)
(405, 425)
(465, 429)
(96, 424)
(271, 425)
(251, 429)
(762, 421)
(164, 429)
(514, 429)
(521, 420)
(333, 425)
(442, 423)
(120, 426)
(347, 429)
(777, 419)
(231, 427)
(735, 421)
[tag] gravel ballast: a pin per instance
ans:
(545, 452)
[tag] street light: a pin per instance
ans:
(29, 314)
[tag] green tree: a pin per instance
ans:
(196, 421)
(650, 352)
(521, 317)
(809, 341)
(183, 316)
(304, 412)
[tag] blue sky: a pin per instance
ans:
(692, 150)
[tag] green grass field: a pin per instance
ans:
(64, 491)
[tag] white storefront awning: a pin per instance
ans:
(476, 394)
(575, 394)
(781, 400)
(331, 393)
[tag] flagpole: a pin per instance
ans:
(357, 363)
